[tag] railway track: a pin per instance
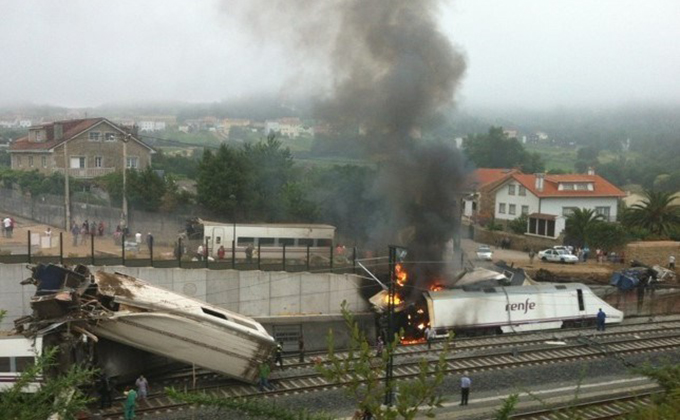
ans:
(181, 376)
(600, 409)
(304, 382)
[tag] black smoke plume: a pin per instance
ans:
(389, 71)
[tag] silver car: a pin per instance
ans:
(484, 253)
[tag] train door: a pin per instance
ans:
(218, 239)
(581, 305)
(290, 335)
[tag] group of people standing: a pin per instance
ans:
(85, 230)
(132, 394)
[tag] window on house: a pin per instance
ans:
(131, 163)
(94, 136)
(568, 211)
(501, 208)
(98, 160)
(18, 160)
(525, 209)
(511, 189)
(77, 162)
(44, 161)
(604, 211)
(522, 190)
(30, 161)
(110, 136)
(512, 209)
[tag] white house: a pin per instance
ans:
(548, 199)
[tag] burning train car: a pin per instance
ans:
(483, 301)
(129, 311)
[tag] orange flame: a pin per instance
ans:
(400, 274)
(406, 341)
(397, 299)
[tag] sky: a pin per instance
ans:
(520, 53)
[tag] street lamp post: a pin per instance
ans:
(67, 193)
(125, 140)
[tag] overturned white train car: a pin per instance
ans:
(169, 324)
(132, 312)
(516, 308)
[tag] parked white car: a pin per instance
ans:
(484, 253)
(557, 255)
(567, 249)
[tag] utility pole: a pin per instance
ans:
(67, 196)
(389, 369)
(125, 139)
(396, 255)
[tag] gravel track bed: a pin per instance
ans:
(501, 382)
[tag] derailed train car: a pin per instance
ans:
(129, 311)
(516, 308)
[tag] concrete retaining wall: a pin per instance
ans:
(50, 210)
(274, 298)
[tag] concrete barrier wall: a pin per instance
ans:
(49, 210)
(251, 293)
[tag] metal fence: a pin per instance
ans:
(89, 250)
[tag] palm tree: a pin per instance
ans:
(579, 223)
(656, 213)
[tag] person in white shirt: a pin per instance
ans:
(465, 383)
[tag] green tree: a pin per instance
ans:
(495, 150)
(519, 225)
(579, 225)
(656, 213)
(222, 175)
(607, 236)
(666, 406)
(363, 376)
(145, 189)
(269, 169)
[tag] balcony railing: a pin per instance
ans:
(86, 172)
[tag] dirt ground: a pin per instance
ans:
(589, 271)
(104, 245)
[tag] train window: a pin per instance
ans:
(561, 287)
(324, 242)
(218, 240)
(267, 241)
(305, 242)
(286, 241)
(213, 313)
(489, 290)
(246, 241)
(4, 364)
(581, 306)
(24, 363)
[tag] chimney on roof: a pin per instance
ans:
(591, 170)
(540, 180)
(58, 131)
(135, 130)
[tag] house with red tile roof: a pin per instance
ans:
(88, 148)
(548, 200)
(478, 186)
